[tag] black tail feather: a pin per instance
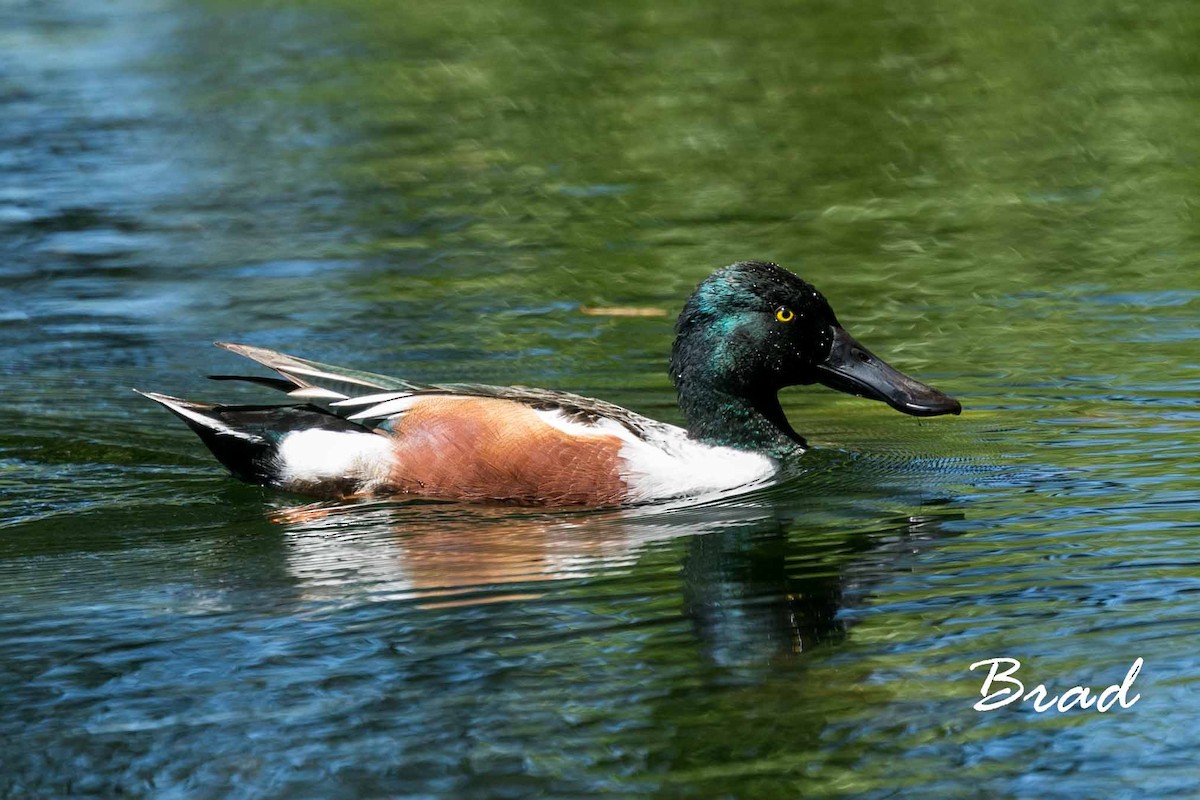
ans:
(245, 438)
(250, 460)
(278, 384)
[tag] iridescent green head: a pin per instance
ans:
(751, 329)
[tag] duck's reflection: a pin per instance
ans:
(757, 578)
(442, 553)
(778, 588)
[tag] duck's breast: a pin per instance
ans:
(678, 466)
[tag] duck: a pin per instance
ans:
(747, 331)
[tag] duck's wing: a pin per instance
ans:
(311, 380)
(368, 396)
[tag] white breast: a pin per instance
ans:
(672, 464)
(683, 467)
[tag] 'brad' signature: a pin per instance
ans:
(1000, 689)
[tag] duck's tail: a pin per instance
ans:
(256, 443)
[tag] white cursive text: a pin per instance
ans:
(1012, 690)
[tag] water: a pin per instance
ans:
(999, 199)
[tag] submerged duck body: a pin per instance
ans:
(747, 331)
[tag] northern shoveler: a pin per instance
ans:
(747, 331)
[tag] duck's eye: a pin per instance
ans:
(784, 314)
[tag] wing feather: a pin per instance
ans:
(344, 390)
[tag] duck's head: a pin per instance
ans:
(751, 329)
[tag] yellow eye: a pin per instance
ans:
(784, 314)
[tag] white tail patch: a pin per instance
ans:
(309, 459)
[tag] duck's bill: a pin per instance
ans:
(854, 369)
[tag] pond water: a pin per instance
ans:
(1000, 199)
